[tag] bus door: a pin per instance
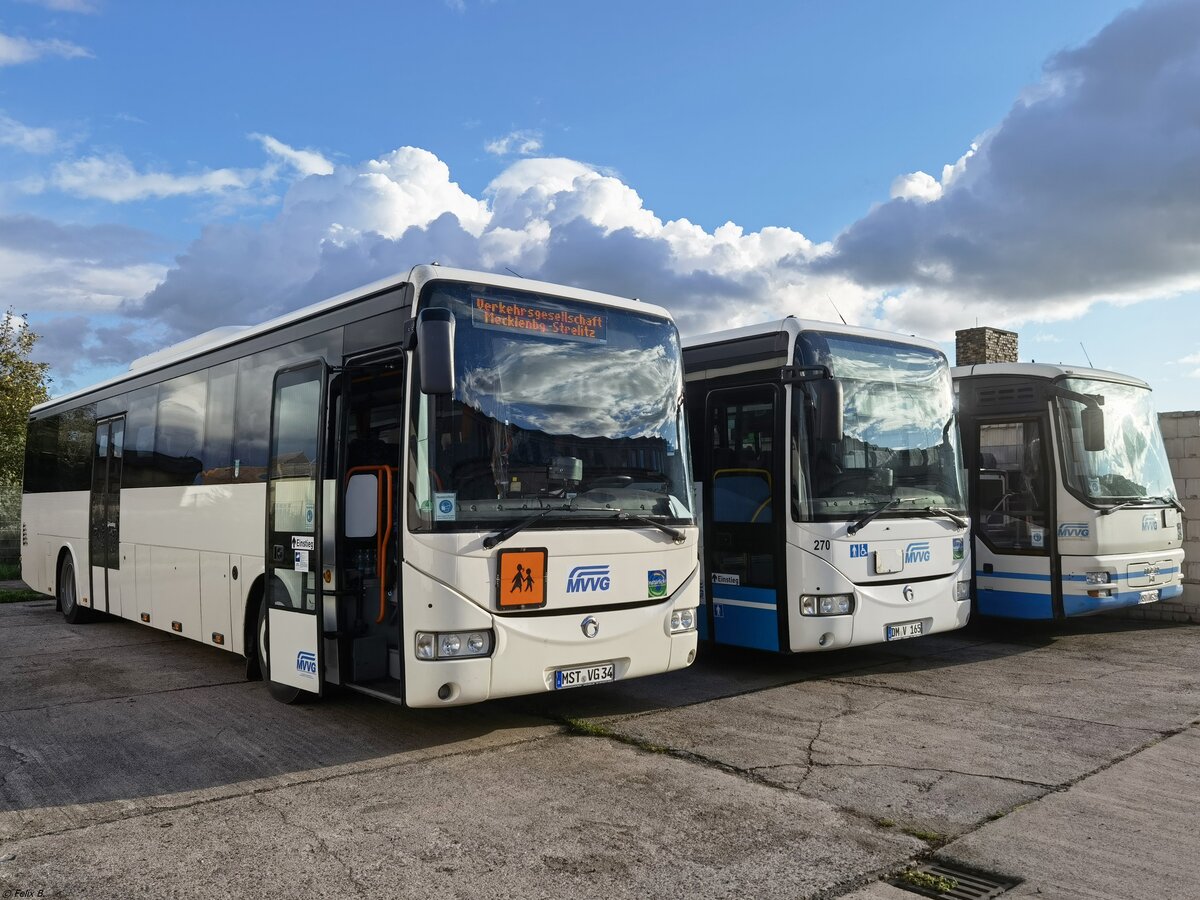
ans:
(1013, 512)
(104, 518)
(293, 558)
(743, 540)
(369, 609)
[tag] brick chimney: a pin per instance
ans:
(984, 345)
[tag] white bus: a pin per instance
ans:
(831, 485)
(435, 490)
(1072, 497)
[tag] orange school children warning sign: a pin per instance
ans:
(522, 578)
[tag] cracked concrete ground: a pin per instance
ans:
(136, 762)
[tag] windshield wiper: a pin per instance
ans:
(1161, 498)
(1108, 511)
(1175, 503)
(865, 519)
(500, 536)
(676, 535)
(946, 513)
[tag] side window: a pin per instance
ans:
(140, 417)
(743, 461)
(217, 458)
(179, 434)
(255, 376)
(1013, 497)
(41, 452)
(75, 436)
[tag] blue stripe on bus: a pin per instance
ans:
(746, 626)
(1015, 604)
(1078, 605)
(738, 592)
(1026, 576)
(1030, 576)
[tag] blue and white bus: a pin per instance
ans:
(1072, 498)
(831, 484)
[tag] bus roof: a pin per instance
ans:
(793, 326)
(225, 336)
(1044, 370)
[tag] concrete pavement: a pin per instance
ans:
(133, 761)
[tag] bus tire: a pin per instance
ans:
(68, 593)
(262, 642)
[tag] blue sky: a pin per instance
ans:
(170, 167)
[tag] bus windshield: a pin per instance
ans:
(560, 407)
(1133, 463)
(900, 439)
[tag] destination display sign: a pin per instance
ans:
(547, 321)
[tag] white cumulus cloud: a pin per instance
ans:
(113, 177)
(17, 50)
(554, 219)
(1087, 191)
(26, 138)
(306, 162)
(75, 6)
(515, 143)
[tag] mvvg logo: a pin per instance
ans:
(306, 663)
(588, 578)
(918, 552)
(1150, 522)
(656, 583)
(1074, 530)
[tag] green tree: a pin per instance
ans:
(22, 385)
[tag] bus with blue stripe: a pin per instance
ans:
(828, 470)
(1072, 498)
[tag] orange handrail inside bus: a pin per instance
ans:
(383, 525)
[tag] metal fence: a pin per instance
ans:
(10, 525)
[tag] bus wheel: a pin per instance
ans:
(68, 598)
(281, 692)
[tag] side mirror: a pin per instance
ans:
(1093, 428)
(827, 394)
(435, 346)
(362, 505)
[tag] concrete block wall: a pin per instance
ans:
(1181, 434)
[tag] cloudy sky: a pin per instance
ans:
(166, 168)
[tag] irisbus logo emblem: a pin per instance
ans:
(588, 578)
(918, 552)
(1150, 522)
(1074, 530)
(306, 663)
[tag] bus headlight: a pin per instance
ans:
(453, 644)
(826, 605)
(1097, 577)
(683, 620)
(962, 590)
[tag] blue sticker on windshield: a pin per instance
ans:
(445, 506)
